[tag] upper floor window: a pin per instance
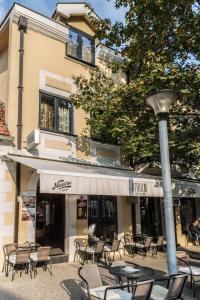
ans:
(56, 114)
(81, 46)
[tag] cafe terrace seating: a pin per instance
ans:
(94, 287)
(142, 248)
(25, 257)
(174, 289)
(157, 246)
(111, 250)
(186, 267)
(19, 260)
(7, 250)
(41, 256)
(95, 252)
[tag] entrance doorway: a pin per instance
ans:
(50, 221)
(103, 213)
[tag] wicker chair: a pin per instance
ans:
(95, 252)
(112, 250)
(7, 250)
(128, 243)
(41, 256)
(143, 248)
(80, 245)
(194, 272)
(94, 287)
(19, 260)
(157, 246)
(175, 288)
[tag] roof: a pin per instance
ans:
(3, 128)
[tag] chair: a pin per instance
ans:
(94, 287)
(192, 236)
(156, 246)
(129, 243)
(80, 246)
(111, 250)
(96, 252)
(185, 267)
(41, 256)
(7, 249)
(19, 260)
(175, 288)
(143, 248)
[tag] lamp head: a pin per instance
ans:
(161, 100)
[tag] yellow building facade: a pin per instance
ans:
(54, 181)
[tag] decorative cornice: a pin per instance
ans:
(41, 27)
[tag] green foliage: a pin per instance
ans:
(161, 50)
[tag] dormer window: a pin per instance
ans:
(81, 47)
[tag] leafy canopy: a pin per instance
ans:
(160, 42)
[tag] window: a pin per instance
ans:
(56, 114)
(80, 46)
(94, 208)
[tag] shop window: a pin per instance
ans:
(94, 209)
(81, 46)
(56, 114)
(108, 209)
(187, 212)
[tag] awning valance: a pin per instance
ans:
(73, 178)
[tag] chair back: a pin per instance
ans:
(160, 241)
(176, 286)
(79, 242)
(90, 275)
(115, 245)
(128, 238)
(142, 290)
(22, 256)
(8, 248)
(99, 247)
(43, 253)
(148, 242)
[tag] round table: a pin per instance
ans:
(28, 246)
(132, 272)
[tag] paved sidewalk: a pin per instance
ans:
(65, 283)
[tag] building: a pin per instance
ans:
(54, 180)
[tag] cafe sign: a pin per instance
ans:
(62, 185)
(140, 189)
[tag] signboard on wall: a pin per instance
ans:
(82, 208)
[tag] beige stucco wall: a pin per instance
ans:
(81, 24)
(36, 59)
(24, 226)
(124, 216)
(3, 73)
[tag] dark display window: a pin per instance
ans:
(103, 213)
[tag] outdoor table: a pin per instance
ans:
(28, 246)
(132, 272)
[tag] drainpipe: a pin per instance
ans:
(22, 26)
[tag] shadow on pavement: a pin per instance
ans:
(5, 295)
(73, 289)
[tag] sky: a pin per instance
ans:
(104, 8)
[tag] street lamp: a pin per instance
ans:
(160, 101)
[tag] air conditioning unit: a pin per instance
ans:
(33, 139)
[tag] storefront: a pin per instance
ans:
(67, 197)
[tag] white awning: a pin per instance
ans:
(73, 178)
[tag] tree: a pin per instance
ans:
(159, 43)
